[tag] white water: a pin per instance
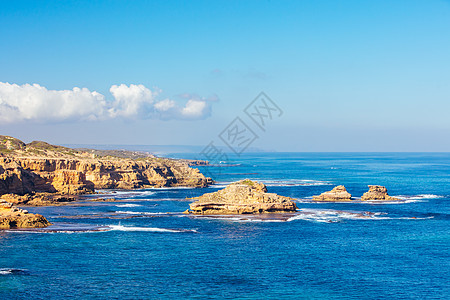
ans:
(128, 205)
(146, 229)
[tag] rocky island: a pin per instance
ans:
(377, 192)
(42, 174)
(242, 197)
(340, 194)
(337, 194)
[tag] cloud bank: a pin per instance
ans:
(33, 102)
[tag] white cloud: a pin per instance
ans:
(36, 103)
(130, 100)
(165, 105)
(195, 109)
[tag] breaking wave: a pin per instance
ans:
(312, 215)
(6, 271)
(333, 216)
(128, 205)
(141, 213)
(419, 197)
(147, 229)
(243, 218)
(105, 228)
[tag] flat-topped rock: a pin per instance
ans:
(338, 194)
(14, 217)
(377, 192)
(242, 197)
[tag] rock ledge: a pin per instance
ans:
(14, 217)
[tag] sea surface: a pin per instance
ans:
(143, 247)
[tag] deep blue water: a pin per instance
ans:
(147, 249)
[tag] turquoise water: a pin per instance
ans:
(144, 248)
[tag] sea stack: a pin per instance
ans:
(242, 197)
(377, 192)
(338, 194)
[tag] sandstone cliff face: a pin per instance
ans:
(338, 194)
(75, 176)
(13, 217)
(40, 167)
(242, 197)
(377, 192)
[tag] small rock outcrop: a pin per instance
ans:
(338, 194)
(39, 199)
(377, 192)
(14, 217)
(242, 197)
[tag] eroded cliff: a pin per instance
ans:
(27, 169)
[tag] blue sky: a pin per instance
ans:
(348, 75)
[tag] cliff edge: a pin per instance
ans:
(39, 167)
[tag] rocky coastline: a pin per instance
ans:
(38, 173)
(12, 217)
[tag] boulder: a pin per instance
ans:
(242, 197)
(338, 194)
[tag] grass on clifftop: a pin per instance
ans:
(248, 182)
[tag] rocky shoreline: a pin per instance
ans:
(13, 217)
(39, 174)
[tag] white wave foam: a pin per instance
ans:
(38, 230)
(6, 271)
(141, 213)
(98, 230)
(329, 215)
(128, 205)
(404, 218)
(332, 216)
(146, 229)
(255, 218)
(419, 197)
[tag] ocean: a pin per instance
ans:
(143, 247)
